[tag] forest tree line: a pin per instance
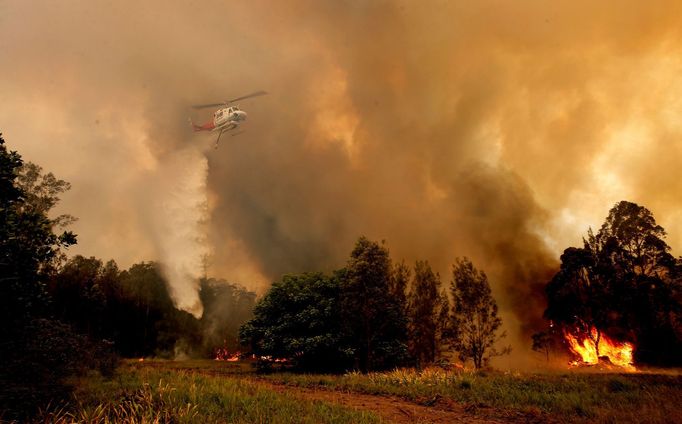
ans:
(374, 315)
(60, 318)
(133, 309)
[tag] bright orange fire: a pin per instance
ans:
(222, 354)
(586, 349)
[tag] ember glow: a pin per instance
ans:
(595, 347)
(223, 354)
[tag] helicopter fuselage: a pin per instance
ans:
(228, 118)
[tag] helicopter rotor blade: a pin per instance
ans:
(207, 105)
(248, 96)
(226, 102)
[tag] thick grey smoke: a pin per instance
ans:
(496, 130)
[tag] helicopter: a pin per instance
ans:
(226, 118)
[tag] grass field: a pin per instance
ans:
(210, 391)
(567, 397)
(168, 394)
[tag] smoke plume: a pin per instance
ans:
(496, 130)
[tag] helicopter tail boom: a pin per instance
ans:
(209, 126)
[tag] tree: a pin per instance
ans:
(37, 352)
(227, 307)
(77, 295)
(543, 343)
(443, 324)
(622, 281)
(475, 320)
(578, 295)
(425, 304)
(41, 192)
(28, 245)
(400, 277)
(632, 242)
(299, 320)
(373, 315)
(155, 324)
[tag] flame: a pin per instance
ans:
(276, 360)
(618, 353)
(223, 354)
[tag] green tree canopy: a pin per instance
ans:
(299, 320)
(374, 316)
(425, 310)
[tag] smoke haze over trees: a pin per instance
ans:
(364, 317)
(60, 318)
(520, 122)
(133, 309)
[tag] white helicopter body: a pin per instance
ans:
(224, 119)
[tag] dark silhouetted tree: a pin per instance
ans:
(578, 295)
(42, 192)
(78, 296)
(374, 317)
(622, 281)
(543, 342)
(227, 307)
(400, 277)
(475, 320)
(425, 305)
(37, 352)
(156, 324)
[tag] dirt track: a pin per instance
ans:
(396, 410)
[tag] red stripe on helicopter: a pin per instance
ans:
(205, 127)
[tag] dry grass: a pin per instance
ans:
(565, 397)
(153, 395)
(209, 391)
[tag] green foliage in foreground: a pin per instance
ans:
(570, 397)
(155, 395)
(299, 318)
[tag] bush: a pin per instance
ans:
(38, 363)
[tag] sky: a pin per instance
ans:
(496, 130)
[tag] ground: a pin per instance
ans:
(212, 391)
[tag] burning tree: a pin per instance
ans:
(619, 287)
(474, 319)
